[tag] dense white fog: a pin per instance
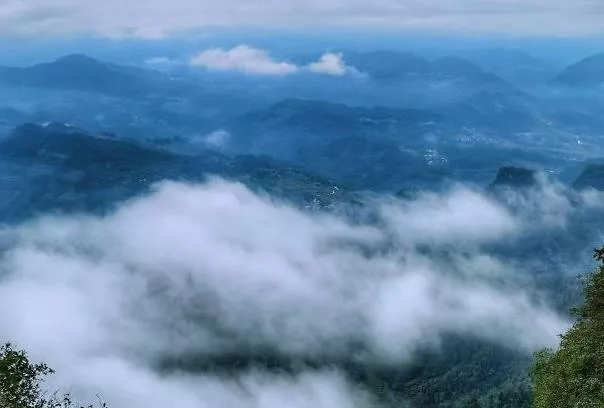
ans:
(212, 269)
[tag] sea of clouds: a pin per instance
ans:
(207, 270)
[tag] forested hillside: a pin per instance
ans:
(573, 376)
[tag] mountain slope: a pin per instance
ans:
(59, 168)
(514, 177)
(387, 65)
(399, 67)
(368, 148)
(517, 67)
(592, 177)
(587, 72)
(78, 72)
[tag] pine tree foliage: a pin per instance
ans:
(21, 383)
(573, 375)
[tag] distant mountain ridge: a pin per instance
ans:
(71, 170)
(587, 72)
(80, 73)
(370, 148)
(592, 177)
(296, 111)
(516, 66)
(391, 65)
(514, 177)
(389, 148)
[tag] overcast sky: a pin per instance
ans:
(159, 18)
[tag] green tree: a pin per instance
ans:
(573, 376)
(21, 383)
(472, 403)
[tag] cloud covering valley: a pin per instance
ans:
(214, 270)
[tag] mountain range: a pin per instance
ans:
(366, 147)
(487, 68)
(81, 73)
(62, 168)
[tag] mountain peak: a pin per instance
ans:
(456, 65)
(515, 177)
(587, 72)
(69, 144)
(77, 59)
(83, 73)
(75, 63)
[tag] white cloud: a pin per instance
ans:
(242, 58)
(162, 62)
(434, 219)
(330, 64)
(123, 384)
(211, 269)
(217, 139)
(548, 203)
(593, 198)
(250, 60)
(158, 18)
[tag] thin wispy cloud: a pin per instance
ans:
(216, 139)
(161, 62)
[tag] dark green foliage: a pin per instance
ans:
(464, 368)
(472, 403)
(63, 169)
(515, 177)
(21, 381)
(517, 397)
(573, 376)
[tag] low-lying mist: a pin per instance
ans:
(205, 271)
